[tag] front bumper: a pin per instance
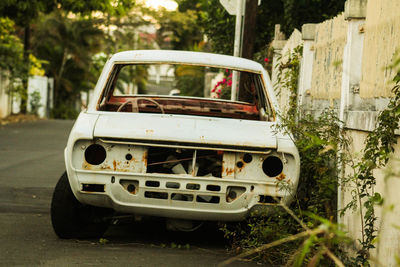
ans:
(176, 196)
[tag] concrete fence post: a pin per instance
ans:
(354, 12)
(306, 65)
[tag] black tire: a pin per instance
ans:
(72, 219)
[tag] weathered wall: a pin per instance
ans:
(382, 38)
(349, 59)
(388, 184)
(40, 85)
(11, 105)
(4, 98)
(330, 39)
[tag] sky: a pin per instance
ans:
(168, 4)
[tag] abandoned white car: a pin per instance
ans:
(187, 136)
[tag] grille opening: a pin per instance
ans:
(181, 197)
(179, 161)
(153, 183)
(157, 195)
(132, 186)
(193, 186)
(234, 192)
(215, 188)
(269, 199)
(207, 199)
(95, 154)
(93, 187)
(172, 185)
(272, 166)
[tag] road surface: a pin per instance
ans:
(31, 161)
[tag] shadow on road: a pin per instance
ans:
(153, 232)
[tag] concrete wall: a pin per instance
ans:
(11, 104)
(39, 84)
(346, 65)
(382, 38)
(388, 185)
(330, 39)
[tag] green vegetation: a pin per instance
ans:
(71, 40)
(68, 47)
(65, 36)
(66, 44)
(190, 80)
(305, 232)
(11, 49)
(219, 26)
(321, 142)
(378, 149)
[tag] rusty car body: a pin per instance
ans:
(175, 156)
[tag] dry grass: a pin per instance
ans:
(16, 118)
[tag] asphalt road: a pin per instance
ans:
(31, 161)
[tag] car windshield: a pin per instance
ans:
(187, 90)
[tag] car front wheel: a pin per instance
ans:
(72, 219)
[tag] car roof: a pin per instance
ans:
(186, 57)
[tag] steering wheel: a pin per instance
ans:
(135, 107)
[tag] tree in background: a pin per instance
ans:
(11, 56)
(11, 49)
(68, 46)
(178, 30)
(23, 13)
(298, 12)
(114, 27)
(219, 26)
(26, 13)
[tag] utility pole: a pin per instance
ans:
(249, 28)
(249, 38)
(244, 38)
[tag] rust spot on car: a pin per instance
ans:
(115, 165)
(144, 158)
(280, 177)
(149, 132)
(86, 166)
(228, 171)
(105, 167)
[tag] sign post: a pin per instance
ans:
(235, 7)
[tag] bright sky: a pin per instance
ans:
(168, 4)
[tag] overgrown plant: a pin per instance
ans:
(318, 140)
(322, 145)
(323, 148)
(288, 79)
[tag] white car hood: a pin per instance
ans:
(186, 129)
